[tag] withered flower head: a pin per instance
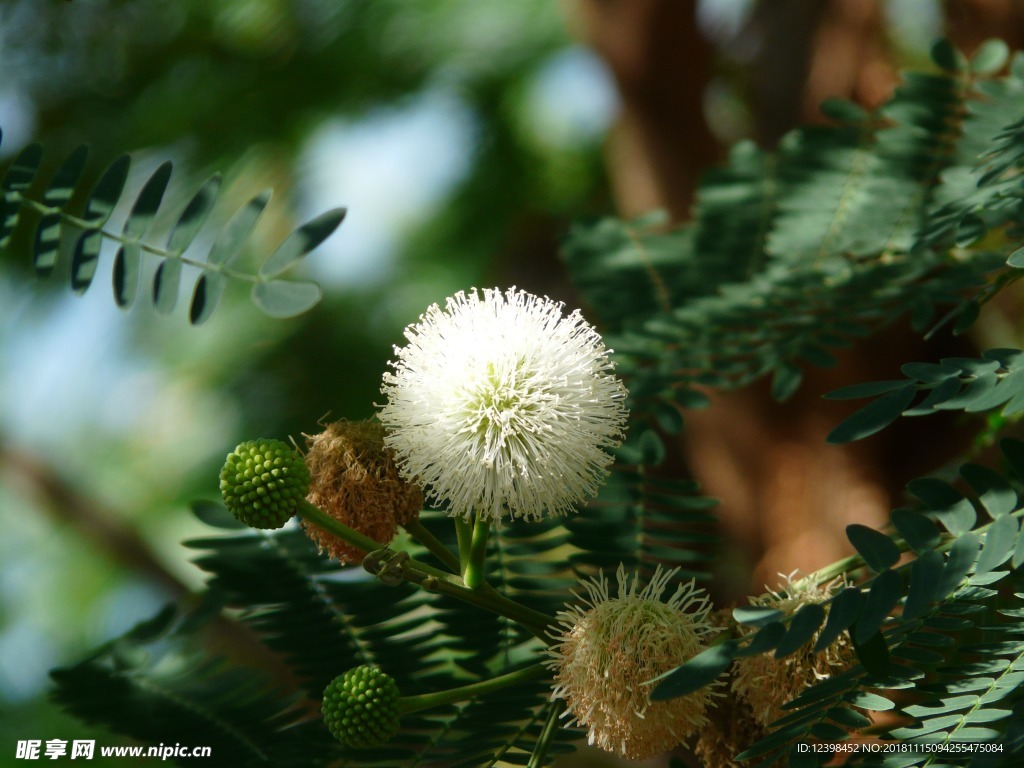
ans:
(766, 683)
(355, 481)
(731, 726)
(609, 650)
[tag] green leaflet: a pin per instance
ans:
(916, 529)
(843, 611)
(806, 621)
(284, 298)
(877, 549)
(98, 207)
(993, 382)
(924, 589)
(999, 544)
(46, 241)
(70, 224)
(873, 417)
(885, 592)
(995, 493)
(18, 178)
(701, 670)
(952, 508)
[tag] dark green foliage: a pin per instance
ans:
(805, 623)
(152, 684)
(877, 549)
(844, 229)
(874, 417)
(703, 669)
(881, 598)
(279, 581)
(938, 594)
(756, 616)
(322, 620)
(930, 645)
(643, 517)
(843, 610)
(69, 224)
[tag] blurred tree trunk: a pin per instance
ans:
(767, 462)
(809, 51)
(969, 23)
(661, 64)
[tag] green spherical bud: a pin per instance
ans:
(263, 482)
(361, 707)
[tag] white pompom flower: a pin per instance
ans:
(503, 403)
(611, 648)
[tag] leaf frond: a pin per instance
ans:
(63, 224)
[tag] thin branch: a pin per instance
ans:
(101, 529)
(66, 504)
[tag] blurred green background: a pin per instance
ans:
(463, 135)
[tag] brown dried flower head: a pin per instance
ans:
(731, 726)
(731, 729)
(610, 650)
(765, 683)
(355, 481)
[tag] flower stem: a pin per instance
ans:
(433, 544)
(851, 563)
(534, 621)
(319, 518)
(433, 579)
(547, 733)
(408, 704)
(475, 572)
(464, 532)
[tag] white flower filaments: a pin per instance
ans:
(503, 403)
(610, 650)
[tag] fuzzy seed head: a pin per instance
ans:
(612, 647)
(502, 402)
(263, 482)
(765, 683)
(355, 480)
(360, 707)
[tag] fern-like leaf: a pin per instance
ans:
(70, 224)
(152, 685)
(795, 253)
(992, 383)
(909, 622)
